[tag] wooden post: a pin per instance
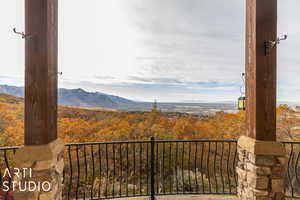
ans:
(41, 71)
(261, 160)
(261, 26)
(43, 151)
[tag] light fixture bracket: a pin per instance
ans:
(270, 45)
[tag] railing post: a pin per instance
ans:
(152, 172)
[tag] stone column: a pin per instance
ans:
(44, 164)
(260, 169)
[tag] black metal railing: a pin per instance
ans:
(6, 174)
(292, 172)
(156, 167)
(148, 168)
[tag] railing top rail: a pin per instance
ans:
(146, 141)
(199, 140)
(96, 143)
(289, 142)
(10, 148)
(207, 169)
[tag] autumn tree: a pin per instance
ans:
(287, 123)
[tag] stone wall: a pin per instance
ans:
(260, 169)
(44, 164)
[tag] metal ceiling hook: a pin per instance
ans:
(24, 36)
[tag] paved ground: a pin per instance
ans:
(187, 197)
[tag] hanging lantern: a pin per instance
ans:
(242, 99)
(242, 103)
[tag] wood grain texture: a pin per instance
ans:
(261, 25)
(41, 71)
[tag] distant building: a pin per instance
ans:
(155, 105)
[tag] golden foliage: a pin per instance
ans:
(91, 125)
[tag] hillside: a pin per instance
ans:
(94, 125)
(77, 97)
(91, 124)
(6, 98)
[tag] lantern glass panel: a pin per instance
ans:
(242, 103)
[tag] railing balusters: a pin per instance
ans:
(189, 168)
(147, 166)
(182, 166)
(85, 171)
(296, 169)
(100, 171)
(121, 168)
(285, 188)
(140, 166)
(207, 168)
(127, 167)
(221, 168)
(93, 172)
(288, 168)
(107, 175)
(163, 169)
(157, 168)
(176, 164)
(78, 171)
(114, 170)
(152, 142)
(134, 174)
(215, 169)
(195, 169)
(1, 176)
(174, 169)
(228, 172)
(202, 170)
(71, 172)
(233, 166)
(170, 166)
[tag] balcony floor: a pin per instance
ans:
(187, 197)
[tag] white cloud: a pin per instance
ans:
(104, 44)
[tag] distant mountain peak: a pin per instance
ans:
(76, 97)
(79, 90)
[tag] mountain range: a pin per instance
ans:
(77, 97)
(81, 98)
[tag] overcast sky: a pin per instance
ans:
(169, 50)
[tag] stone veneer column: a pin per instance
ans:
(260, 169)
(47, 164)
